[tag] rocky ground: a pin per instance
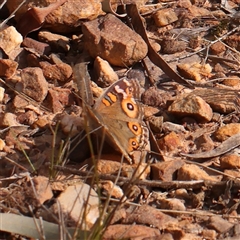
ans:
(185, 55)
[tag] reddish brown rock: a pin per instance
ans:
(66, 17)
(172, 203)
(209, 234)
(193, 172)
(151, 216)
(195, 71)
(231, 161)
(59, 98)
(156, 97)
(2, 144)
(27, 118)
(217, 48)
(33, 84)
(198, 11)
(223, 133)
(112, 40)
(219, 224)
(233, 41)
(36, 46)
(192, 106)
(233, 81)
(19, 102)
(136, 232)
(7, 67)
(56, 41)
(171, 46)
(56, 72)
(172, 142)
(42, 188)
(165, 171)
(164, 17)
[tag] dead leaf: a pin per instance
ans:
(34, 18)
(225, 147)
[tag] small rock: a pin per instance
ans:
(223, 133)
(172, 204)
(56, 72)
(104, 72)
(27, 118)
(2, 90)
(172, 142)
(198, 11)
(173, 127)
(192, 106)
(195, 71)
(165, 171)
(156, 123)
(192, 172)
(181, 193)
(191, 236)
(155, 97)
(72, 202)
(19, 102)
(136, 232)
(231, 161)
(7, 67)
(151, 216)
(171, 46)
(2, 144)
(71, 124)
(233, 81)
(33, 84)
(184, 3)
(59, 98)
(164, 17)
(8, 120)
(204, 143)
(112, 189)
(150, 111)
(66, 17)
(42, 188)
(112, 40)
(217, 48)
(56, 41)
(233, 41)
(42, 122)
(209, 234)
(10, 39)
(36, 47)
(219, 224)
(107, 167)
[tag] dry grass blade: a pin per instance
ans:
(231, 143)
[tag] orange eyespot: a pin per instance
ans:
(133, 144)
(135, 128)
(130, 108)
